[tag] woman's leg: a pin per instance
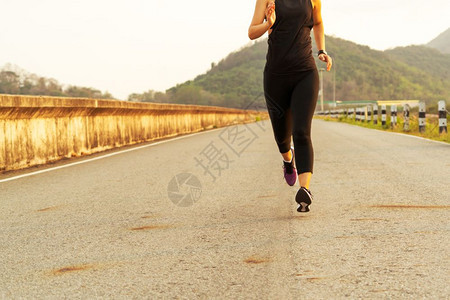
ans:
(277, 93)
(304, 179)
(303, 104)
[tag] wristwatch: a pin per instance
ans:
(322, 52)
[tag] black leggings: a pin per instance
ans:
(291, 101)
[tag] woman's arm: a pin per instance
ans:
(262, 11)
(319, 34)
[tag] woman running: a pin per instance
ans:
(291, 81)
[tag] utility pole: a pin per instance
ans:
(334, 82)
(321, 87)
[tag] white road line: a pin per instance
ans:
(398, 133)
(414, 136)
(104, 156)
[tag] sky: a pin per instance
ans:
(131, 46)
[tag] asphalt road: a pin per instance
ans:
(109, 228)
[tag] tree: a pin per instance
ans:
(9, 82)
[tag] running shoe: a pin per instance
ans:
(304, 199)
(290, 172)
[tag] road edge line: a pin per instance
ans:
(105, 156)
(384, 131)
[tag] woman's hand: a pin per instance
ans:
(319, 33)
(270, 13)
(326, 58)
(264, 10)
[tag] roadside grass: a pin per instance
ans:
(431, 126)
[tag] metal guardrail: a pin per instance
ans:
(369, 114)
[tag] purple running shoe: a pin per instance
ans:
(290, 172)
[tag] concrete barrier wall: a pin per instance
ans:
(38, 130)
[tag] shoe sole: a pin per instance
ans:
(303, 207)
(304, 202)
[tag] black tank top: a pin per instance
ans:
(290, 48)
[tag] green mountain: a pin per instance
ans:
(364, 73)
(430, 60)
(233, 82)
(414, 72)
(442, 42)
